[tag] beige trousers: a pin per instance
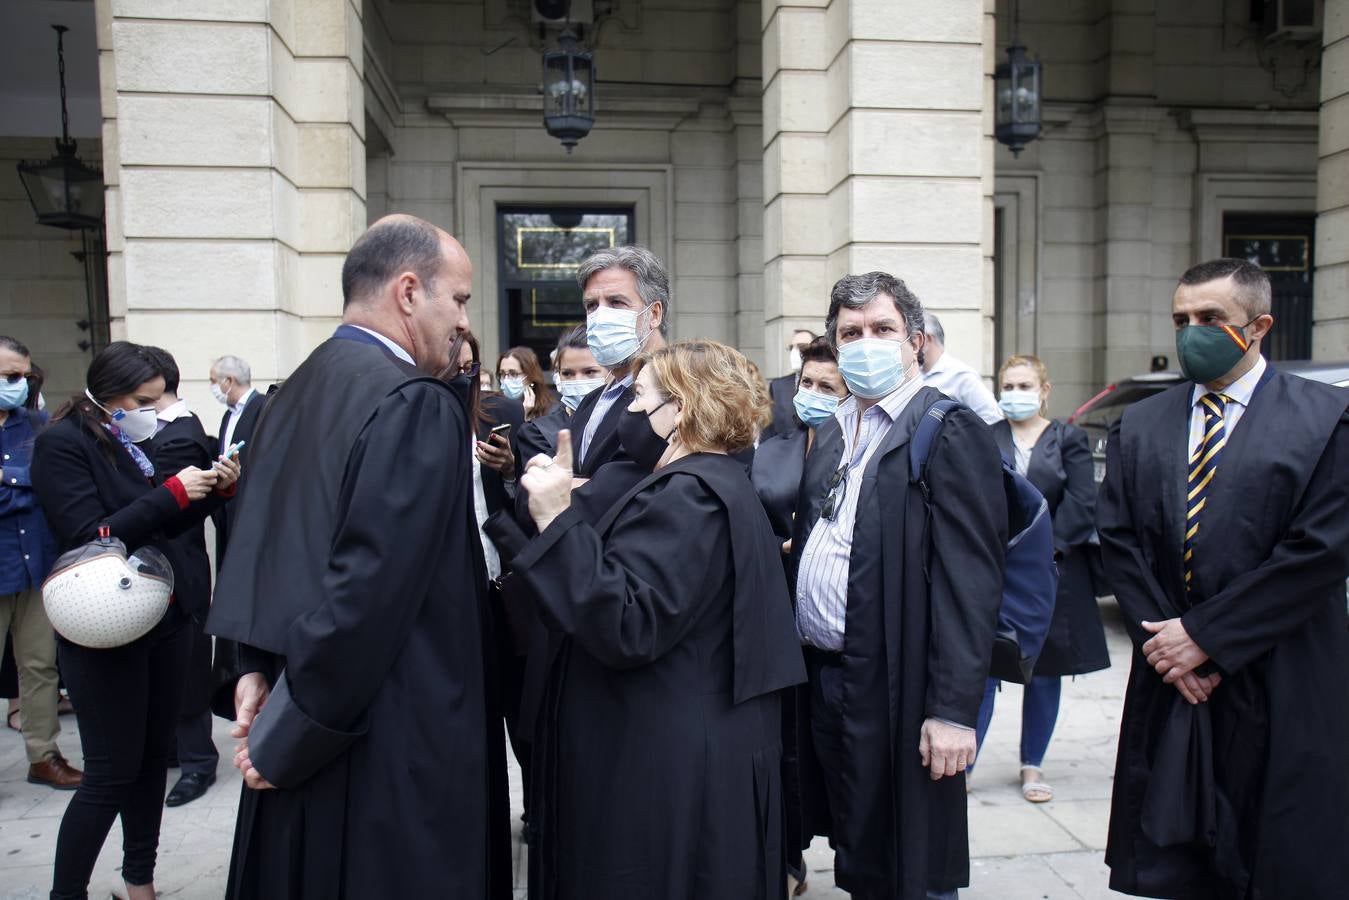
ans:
(24, 618)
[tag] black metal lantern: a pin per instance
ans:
(1016, 92)
(568, 91)
(63, 191)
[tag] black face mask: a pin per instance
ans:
(461, 385)
(640, 440)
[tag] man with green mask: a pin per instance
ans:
(1226, 542)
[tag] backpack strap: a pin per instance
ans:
(920, 445)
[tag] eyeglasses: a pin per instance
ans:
(471, 370)
(15, 377)
(835, 493)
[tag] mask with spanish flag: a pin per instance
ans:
(1208, 352)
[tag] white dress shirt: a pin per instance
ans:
(171, 413)
(489, 549)
(1238, 394)
(236, 411)
(826, 561)
(963, 384)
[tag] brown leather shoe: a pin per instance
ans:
(56, 773)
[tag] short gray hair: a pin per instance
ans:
(932, 326)
(233, 367)
(653, 282)
(856, 291)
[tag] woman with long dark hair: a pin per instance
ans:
(521, 378)
(92, 468)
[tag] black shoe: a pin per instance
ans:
(189, 788)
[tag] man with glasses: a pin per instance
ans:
(27, 552)
(897, 589)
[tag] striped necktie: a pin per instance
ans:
(1203, 465)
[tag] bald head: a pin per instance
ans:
(392, 247)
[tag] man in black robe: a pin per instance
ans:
(782, 390)
(354, 588)
(1226, 541)
(896, 604)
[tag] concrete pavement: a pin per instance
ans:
(1051, 851)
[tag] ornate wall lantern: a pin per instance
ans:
(568, 91)
(1016, 90)
(63, 191)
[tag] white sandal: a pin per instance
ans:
(1036, 787)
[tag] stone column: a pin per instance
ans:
(1330, 310)
(235, 164)
(876, 156)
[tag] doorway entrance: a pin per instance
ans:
(1282, 245)
(539, 251)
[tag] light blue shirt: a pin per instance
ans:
(822, 586)
(602, 406)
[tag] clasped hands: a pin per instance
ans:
(250, 694)
(1175, 656)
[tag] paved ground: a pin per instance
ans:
(1021, 851)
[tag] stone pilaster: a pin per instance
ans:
(1330, 312)
(876, 156)
(235, 164)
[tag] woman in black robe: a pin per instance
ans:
(663, 731)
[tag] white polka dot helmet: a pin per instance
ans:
(96, 596)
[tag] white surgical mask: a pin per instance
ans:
(1019, 405)
(219, 395)
(872, 367)
(612, 334)
(136, 424)
(513, 386)
(574, 391)
(794, 359)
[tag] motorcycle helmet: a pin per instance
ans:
(97, 596)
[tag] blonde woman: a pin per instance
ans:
(1056, 458)
(659, 751)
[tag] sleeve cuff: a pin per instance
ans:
(179, 492)
(545, 540)
(286, 746)
(229, 492)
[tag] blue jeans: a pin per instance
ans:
(1039, 712)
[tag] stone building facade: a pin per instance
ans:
(762, 147)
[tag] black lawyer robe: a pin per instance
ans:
(778, 464)
(1061, 470)
(181, 443)
(355, 572)
(923, 596)
(661, 736)
(782, 394)
(1244, 796)
(248, 419)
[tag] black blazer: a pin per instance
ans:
(181, 443)
(604, 446)
(499, 410)
(248, 419)
(782, 391)
(82, 486)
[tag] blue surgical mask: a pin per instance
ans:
(1019, 405)
(513, 386)
(13, 394)
(574, 391)
(814, 409)
(612, 335)
(872, 367)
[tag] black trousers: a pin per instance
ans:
(825, 671)
(197, 753)
(126, 702)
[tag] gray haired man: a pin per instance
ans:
(953, 377)
(626, 293)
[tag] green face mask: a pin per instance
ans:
(1208, 352)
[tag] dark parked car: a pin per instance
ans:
(1100, 412)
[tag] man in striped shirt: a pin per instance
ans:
(896, 604)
